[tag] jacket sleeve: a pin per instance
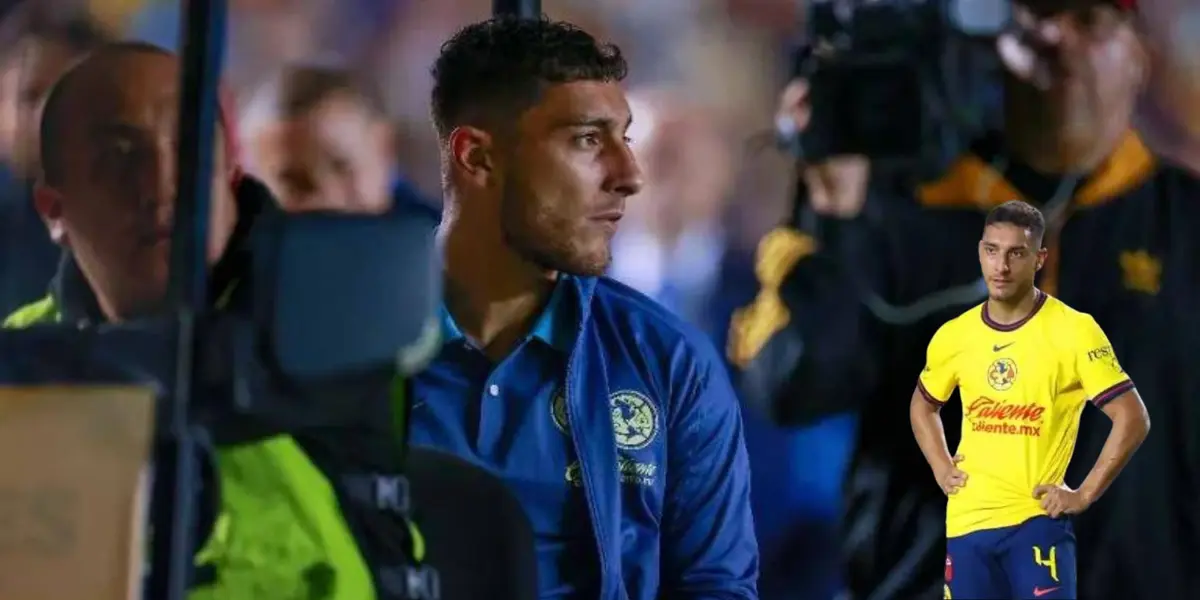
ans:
(805, 348)
(709, 548)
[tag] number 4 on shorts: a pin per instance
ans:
(1049, 562)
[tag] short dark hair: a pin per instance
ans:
(56, 113)
(298, 89)
(499, 67)
(1021, 214)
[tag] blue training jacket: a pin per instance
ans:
(630, 349)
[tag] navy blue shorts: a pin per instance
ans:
(1035, 559)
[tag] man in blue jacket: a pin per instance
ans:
(613, 422)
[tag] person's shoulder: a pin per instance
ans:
(1168, 181)
(1062, 316)
(968, 324)
(648, 323)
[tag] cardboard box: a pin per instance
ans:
(73, 489)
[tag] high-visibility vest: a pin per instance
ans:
(279, 533)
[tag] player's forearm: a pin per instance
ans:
(1128, 432)
(931, 436)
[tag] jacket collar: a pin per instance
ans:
(973, 180)
(559, 324)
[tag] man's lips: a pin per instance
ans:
(613, 216)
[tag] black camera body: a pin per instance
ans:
(887, 78)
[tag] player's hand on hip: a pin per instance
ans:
(952, 478)
(1059, 500)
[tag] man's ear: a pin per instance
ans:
(1041, 258)
(48, 202)
(1146, 51)
(471, 153)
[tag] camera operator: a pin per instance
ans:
(847, 307)
(107, 193)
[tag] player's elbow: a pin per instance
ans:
(1141, 422)
(1138, 428)
(921, 411)
(1129, 413)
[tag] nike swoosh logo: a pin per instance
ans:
(1039, 592)
(999, 348)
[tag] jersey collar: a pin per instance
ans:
(557, 326)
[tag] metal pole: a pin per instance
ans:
(176, 468)
(528, 9)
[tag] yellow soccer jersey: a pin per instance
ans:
(1023, 387)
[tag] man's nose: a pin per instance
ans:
(626, 177)
(160, 185)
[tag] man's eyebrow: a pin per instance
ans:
(116, 129)
(598, 122)
(1002, 247)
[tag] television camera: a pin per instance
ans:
(903, 82)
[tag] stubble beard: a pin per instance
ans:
(545, 241)
(1012, 296)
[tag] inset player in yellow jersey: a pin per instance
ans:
(1025, 365)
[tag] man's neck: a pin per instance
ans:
(114, 312)
(1168, 137)
(494, 295)
(1007, 313)
(1046, 153)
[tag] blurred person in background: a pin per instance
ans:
(671, 245)
(612, 420)
(1170, 110)
(320, 140)
(28, 67)
(844, 319)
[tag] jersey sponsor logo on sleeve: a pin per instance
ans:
(987, 415)
(1002, 374)
(1105, 355)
